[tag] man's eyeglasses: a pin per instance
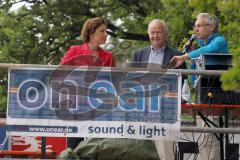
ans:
(200, 25)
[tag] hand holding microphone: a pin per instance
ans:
(189, 44)
(177, 61)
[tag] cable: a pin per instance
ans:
(186, 136)
(200, 135)
(185, 139)
(204, 134)
(210, 148)
(208, 87)
(195, 157)
(204, 142)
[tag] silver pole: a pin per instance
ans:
(211, 130)
(116, 69)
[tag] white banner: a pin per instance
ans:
(93, 103)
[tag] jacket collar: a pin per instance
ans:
(210, 38)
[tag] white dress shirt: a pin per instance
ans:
(156, 57)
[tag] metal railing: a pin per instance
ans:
(177, 71)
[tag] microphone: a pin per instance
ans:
(189, 43)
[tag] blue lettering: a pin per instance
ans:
(132, 98)
(102, 95)
(32, 94)
(156, 91)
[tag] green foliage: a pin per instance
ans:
(231, 28)
(41, 31)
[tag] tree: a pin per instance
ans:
(47, 28)
(230, 13)
(41, 31)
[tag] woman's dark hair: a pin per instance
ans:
(90, 27)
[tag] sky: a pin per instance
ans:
(17, 5)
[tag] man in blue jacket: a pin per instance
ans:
(209, 40)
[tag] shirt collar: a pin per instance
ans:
(158, 49)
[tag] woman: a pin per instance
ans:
(94, 33)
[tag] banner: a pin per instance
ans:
(93, 102)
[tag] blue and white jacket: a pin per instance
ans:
(215, 44)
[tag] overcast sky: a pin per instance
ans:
(17, 5)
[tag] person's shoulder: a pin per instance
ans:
(220, 40)
(77, 46)
(173, 51)
(74, 48)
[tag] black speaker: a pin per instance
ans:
(232, 152)
(208, 89)
(216, 61)
(187, 147)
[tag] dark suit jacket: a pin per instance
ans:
(140, 57)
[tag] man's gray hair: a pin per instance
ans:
(210, 19)
(161, 22)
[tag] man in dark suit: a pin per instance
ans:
(158, 55)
